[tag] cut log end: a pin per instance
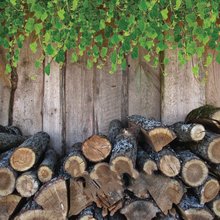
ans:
(215, 206)
(216, 116)
(122, 165)
(197, 214)
(169, 165)
(96, 148)
(149, 167)
(214, 151)
(75, 166)
(194, 172)
(198, 132)
(7, 181)
(22, 159)
(44, 174)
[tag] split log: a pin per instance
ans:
(29, 152)
(75, 163)
(52, 196)
(10, 130)
(139, 209)
(27, 184)
(207, 115)
(115, 127)
(96, 148)
(8, 141)
(145, 162)
(215, 206)
(164, 191)
(208, 191)
(124, 153)
(188, 132)
(168, 162)
(46, 169)
(194, 171)
(191, 209)
(208, 148)
(157, 134)
(8, 205)
(7, 174)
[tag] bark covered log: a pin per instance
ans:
(215, 206)
(115, 127)
(157, 134)
(46, 170)
(10, 130)
(96, 148)
(29, 152)
(87, 213)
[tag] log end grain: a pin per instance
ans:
(198, 132)
(216, 116)
(149, 167)
(44, 174)
(197, 214)
(22, 159)
(216, 207)
(194, 172)
(214, 151)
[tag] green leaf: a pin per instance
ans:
(47, 69)
(164, 13)
(29, 25)
(101, 24)
(89, 64)
(74, 57)
(99, 39)
(61, 14)
(208, 60)
(49, 49)
(218, 58)
(195, 70)
(38, 64)
(143, 5)
(8, 68)
(124, 64)
(74, 5)
(13, 2)
(134, 53)
(166, 61)
(178, 4)
(147, 57)
(114, 57)
(38, 27)
(104, 52)
(33, 47)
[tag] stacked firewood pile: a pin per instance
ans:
(146, 170)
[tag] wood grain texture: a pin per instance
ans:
(181, 91)
(107, 98)
(52, 115)
(79, 102)
(213, 83)
(27, 108)
(144, 88)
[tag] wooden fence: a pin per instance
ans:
(73, 103)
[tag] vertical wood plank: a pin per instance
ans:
(4, 91)
(108, 97)
(27, 108)
(144, 88)
(213, 83)
(79, 102)
(181, 92)
(52, 114)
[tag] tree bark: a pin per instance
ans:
(10, 130)
(115, 127)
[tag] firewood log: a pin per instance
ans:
(117, 216)
(139, 209)
(96, 148)
(87, 213)
(52, 196)
(172, 215)
(208, 148)
(115, 127)
(124, 153)
(165, 191)
(7, 174)
(215, 206)
(75, 163)
(208, 191)
(10, 130)
(29, 152)
(8, 141)
(191, 209)
(193, 171)
(215, 169)
(27, 184)
(145, 162)
(7, 205)
(157, 134)
(207, 115)
(188, 132)
(168, 162)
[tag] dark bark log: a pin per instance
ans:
(115, 127)
(7, 174)
(117, 216)
(52, 196)
(96, 148)
(215, 206)
(47, 167)
(27, 184)
(87, 213)
(172, 215)
(157, 134)
(7, 205)
(75, 163)
(29, 152)
(207, 115)
(215, 169)
(8, 141)
(188, 132)
(194, 171)
(10, 130)
(190, 208)
(124, 153)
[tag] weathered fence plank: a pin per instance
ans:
(181, 91)
(27, 109)
(79, 102)
(52, 114)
